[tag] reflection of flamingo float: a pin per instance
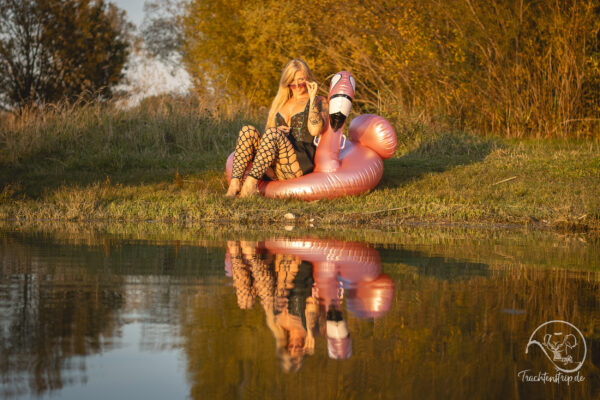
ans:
(340, 269)
(351, 266)
(342, 167)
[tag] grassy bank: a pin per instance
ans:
(165, 160)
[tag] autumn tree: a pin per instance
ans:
(237, 48)
(161, 31)
(512, 67)
(57, 49)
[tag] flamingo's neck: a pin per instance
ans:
(327, 156)
(341, 94)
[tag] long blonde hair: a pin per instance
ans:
(284, 92)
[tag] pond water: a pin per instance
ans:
(418, 313)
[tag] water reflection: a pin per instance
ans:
(295, 318)
(50, 315)
(302, 284)
(64, 307)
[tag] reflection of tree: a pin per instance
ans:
(443, 338)
(226, 348)
(68, 298)
(50, 313)
(462, 343)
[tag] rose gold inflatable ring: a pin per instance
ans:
(369, 293)
(356, 168)
(353, 266)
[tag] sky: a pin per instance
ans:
(134, 8)
(144, 75)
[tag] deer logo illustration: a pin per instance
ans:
(562, 343)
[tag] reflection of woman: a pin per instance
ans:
(295, 311)
(286, 149)
(302, 292)
(252, 276)
(285, 294)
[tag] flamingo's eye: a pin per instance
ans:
(335, 80)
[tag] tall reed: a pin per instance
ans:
(103, 134)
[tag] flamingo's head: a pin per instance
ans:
(341, 94)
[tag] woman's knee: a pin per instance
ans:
(273, 134)
(248, 131)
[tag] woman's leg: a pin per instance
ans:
(276, 148)
(264, 280)
(245, 149)
(242, 277)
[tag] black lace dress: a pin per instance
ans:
(301, 139)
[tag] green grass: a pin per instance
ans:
(164, 161)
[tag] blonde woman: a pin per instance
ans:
(295, 313)
(286, 149)
(284, 285)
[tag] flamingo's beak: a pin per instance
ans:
(339, 109)
(341, 95)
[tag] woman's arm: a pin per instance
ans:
(311, 314)
(318, 110)
(317, 117)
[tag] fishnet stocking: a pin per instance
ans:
(245, 148)
(252, 275)
(275, 147)
(264, 280)
(242, 282)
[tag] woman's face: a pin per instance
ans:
(298, 84)
(296, 344)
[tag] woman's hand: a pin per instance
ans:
(309, 343)
(248, 248)
(312, 87)
(284, 129)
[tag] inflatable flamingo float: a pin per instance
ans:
(353, 266)
(341, 270)
(342, 167)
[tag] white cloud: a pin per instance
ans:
(147, 76)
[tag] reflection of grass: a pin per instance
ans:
(438, 325)
(441, 247)
(164, 162)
